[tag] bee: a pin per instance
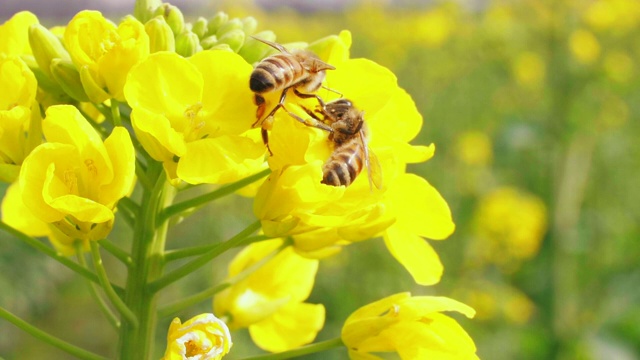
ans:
(300, 70)
(349, 137)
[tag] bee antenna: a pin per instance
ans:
(272, 44)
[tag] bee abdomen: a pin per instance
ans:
(275, 72)
(343, 166)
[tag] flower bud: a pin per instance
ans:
(249, 25)
(161, 37)
(254, 50)
(46, 47)
(44, 82)
(203, 337)
(95, 93)
(145, 10)
(209, 42)
(224, 47)
(233, 38)
(68, 77)
(173, 16)
(216, 21)
(187, 44)
(200, 27)
(229, 26)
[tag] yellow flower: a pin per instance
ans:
(18, 216)
(584, 46)
(510, 226)
(412, 327)
(74, 180)
(529, 69)
(19, 116)
(474, 148)
(619, 66)
(203, 337)
(193, 115)
(104, 53)
(499, 302)
(14, 34)
(321, 218)
(270, 300)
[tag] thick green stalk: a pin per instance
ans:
(147, 252)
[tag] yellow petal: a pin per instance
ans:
(162, 140)
(81, 208)
(122, 156)
(294, 325)
(18, 216)
(84, 37)
(220, 160)
(415, 254)
(14, 33)
(17, 82)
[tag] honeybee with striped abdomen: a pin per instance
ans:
(301, 70)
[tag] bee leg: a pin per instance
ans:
(308, 96)
(333, 91)
(313, 122)
(260, 103)
(265, 140)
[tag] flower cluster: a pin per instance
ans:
(179, 110)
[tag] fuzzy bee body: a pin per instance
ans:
(345, 163)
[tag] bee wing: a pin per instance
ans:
(374, 169)
(273, 45)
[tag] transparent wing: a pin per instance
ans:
(374, 169)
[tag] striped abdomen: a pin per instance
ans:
(345, 163)
(277, 72)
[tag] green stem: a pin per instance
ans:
(188, 205)
(73, 266)
(115, 113)
(126, 313)
(305, 350)
(182, 304)
(178, 254)
(48, 338)
(116, 252)
(111, 317)
(147, 253)
(190, 267)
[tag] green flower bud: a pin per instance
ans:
(200, 27)
(234, 38)
(145, 10)
(45, 47)
(253, 50)
(216, 21)
(209, 42)
(45, 82)
(249, 25)
(230, 25)
(68, 77)
(173, 16)
(187, 44)
(224, 47)
(160, 35)
(96, 94)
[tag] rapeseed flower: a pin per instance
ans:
(322, 218)
(194, 115)
(14, 34)
(411, 326)
(203, 337)
(104, 53)
(19, 115)
(75, 180)
(270, 300)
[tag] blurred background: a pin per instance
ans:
(533, 106)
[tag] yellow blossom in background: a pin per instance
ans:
(194, 115)
(434, 27)
(74, 180)
(19, 115)
(104, 53)
(584, 46)
(411, 326)
(494, 301)
(474, 148)
(322, 218)
(510, 226)
(619, 66)
(618, 15)
(203, 337)
(529, 69)
(270, 300)
(14, 34)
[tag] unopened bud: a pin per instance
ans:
(46, 47)
(145, 10)
(223, 47)
(187, 44)
(249, 25)
(216, 21)
(45, 82)
(253, 50)
(234, 38)
(68, 77)
(230, 25)
(161, 37)
(209, 42)
(96, 94)
(200, 27)
(173, 16)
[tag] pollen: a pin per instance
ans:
(192, 349)
(91, 167)
(71, 181)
